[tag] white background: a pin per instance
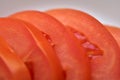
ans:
(106, 11)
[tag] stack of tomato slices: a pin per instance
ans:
(59, 44)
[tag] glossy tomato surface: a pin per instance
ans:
(72, 56)
(34, 50)
(105, 67)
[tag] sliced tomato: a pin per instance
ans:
(33, 49)
(106, 67)
(115, 31)
(72, 56)
(11, 66)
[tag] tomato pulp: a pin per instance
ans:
(73, 58)
(11, 66)
(105, 67)
(34, 50)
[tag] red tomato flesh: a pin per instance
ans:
(11, 66)
(35, 51)
(90, 48)
(106, 67)
(72, 56)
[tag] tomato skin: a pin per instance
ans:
(115, 31)
(11, 66)
(104, 67)
(33, 49)
(73, 58)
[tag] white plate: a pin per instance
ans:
(106, 11)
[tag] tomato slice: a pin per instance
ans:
(11, 66)
(33, 49)
(73, 58)
(106, 67)
(115, 31)
(45, 44)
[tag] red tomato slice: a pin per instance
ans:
(106, 67)
(11, 66)
(35, 50)
(47, 47)
(72, 56)
(115, 31)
